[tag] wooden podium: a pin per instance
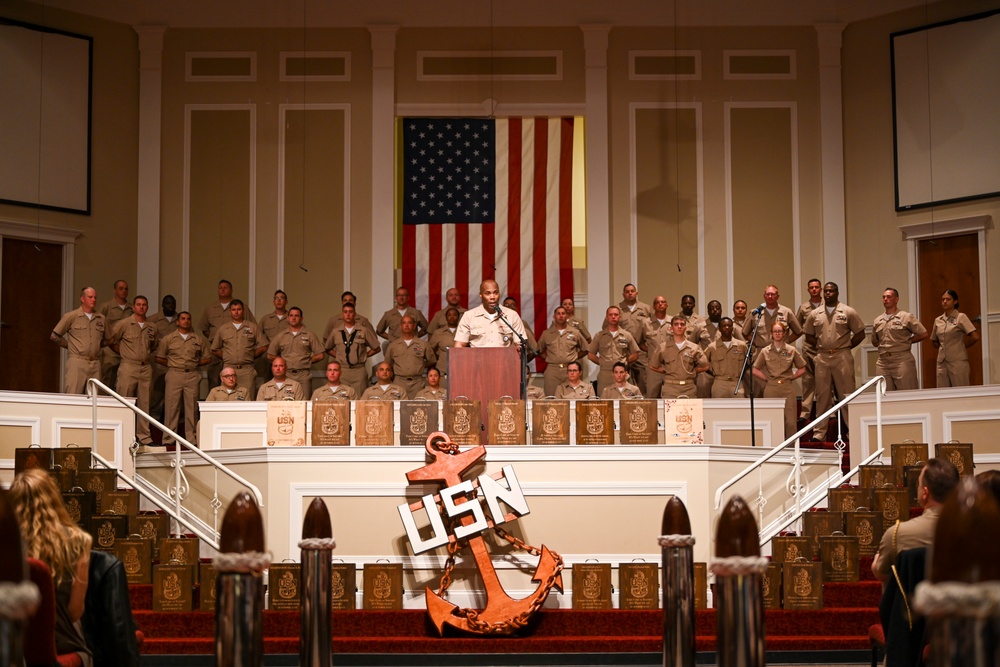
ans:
(484, 374)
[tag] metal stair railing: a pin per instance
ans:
(804, 498)
(179, 489)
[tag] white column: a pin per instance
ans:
(383, 182)
(148, 212)
(595, 42)
(830, 38)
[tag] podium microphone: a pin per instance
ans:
(759, 309)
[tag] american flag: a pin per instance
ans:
(488, 199)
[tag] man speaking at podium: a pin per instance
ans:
(488, 325)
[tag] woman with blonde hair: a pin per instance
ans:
(51, 536)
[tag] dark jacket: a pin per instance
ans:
(107, 620)
(904, 644)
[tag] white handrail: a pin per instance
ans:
(93, 385)
(794, 439)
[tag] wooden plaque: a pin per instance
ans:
(26, 458)
(506, 422)
(76, 459)
(206, 591)
(877, 475)
(65, 479)
(683, 421)
(595, 423)
(893, 503)
(383, 586)
(638, 586)
(790, 549)
(907, 454)
(179, 550)
(343, 586)
(331, 423)
(701, 585)
(802, 585)
(592, 586)
(81, 505)
(839, 554)
(151, 526)
(867, 527)
(97, 481)
(136, 555)
(462, 421)
(286, 423)
(959, 453)
(417, 420)
(106, 528)
(373, 421)
(911, 481)
(637, 423)
(771, 582)
(172, 588)
(849, 499)
(550, 422)
(818, 524)
(284, 582)
(124, 501)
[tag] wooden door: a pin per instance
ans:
(30, 305)
(950, 262)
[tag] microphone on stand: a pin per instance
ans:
(759, 309)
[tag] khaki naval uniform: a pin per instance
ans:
(891, 334)
(339, 393)
(114, 313)
(220, 393)
(678, 364)
(392, 392)
(779, 366)
(390, 326)
(441, 341)
(834, 361)
(763, 338)
(701, 332)
(614, 392)
(214, 316)
(351, 348)
(559, 348)
(409, 359)
(477, 328)
(633, 320)
(429, 394)
(952, 358)
(84, 337)
(610, 348)
(290, 390)
(913, 534)
(239, 350)
(163, 326)
(271, 324)
(726, 364)
(297, 348)
(656, 332)
(183, 380)
(337, 320)
(582, 391)
(136, 344)
(440, 319)
(809, 354)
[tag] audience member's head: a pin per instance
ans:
(939, 477)
(990, 481)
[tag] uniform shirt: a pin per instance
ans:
(338, 321)
(535, 392)
(220, 393)
(409, 360)
(802, 314)
(215, 315)
(678, 363)
(561, 347)
(341, 393)
(779, 364)
(656, 332)
(296, 348)
(834, 331)
(767, 320)
(114, 313)
(481, 329)
(183, 354)
(136, 342)
(389, 326)
(634, 321)
(392, 392)
(580, 326)
(697, 330)
(726, 362)
(272, 324)
(440, 341)
(351, 348)
(612, 347)
(429, 394)
(950, 332)
(239, 346)
(290, 390)
(162, 324)
(629, 391)
(440, 319)
(83, 334)
(581, 391)
(892, 333)
(912, 534)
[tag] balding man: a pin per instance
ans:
(82, 332)
(440, 320)
(409, 357)
(384, 389)
(559, 345)
(482, 327)
(114, 311)
(611, 345)
(389, 327)
(298, 346)
(280, 387)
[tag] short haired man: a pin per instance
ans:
(574, 387)
(894, 332)
(936, 481)
(280, 387)
(337, 318)
(134, 339)
(182, 352)
(298, 346)
(634, 315)
(679, 360)
(238, 344)
(442, 340)
(82, 332)
(621, 389)
(115, 310)
(453, 299)
(771, 312)
(559, 345)
(611, 344)
(410, 357)
(815, 288)
(351, 344)
(390, 326)
(214, 316)
(334, 390)
(725, 359)
(228, 390)
(272, 324)
(384, 389)
(656, 328)
(482, 327)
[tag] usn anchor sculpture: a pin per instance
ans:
(465, 503)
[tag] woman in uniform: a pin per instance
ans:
(778, 366)
(951, 334)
